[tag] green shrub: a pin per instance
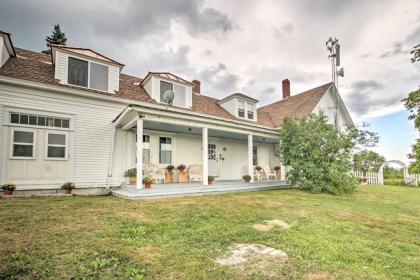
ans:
(246, 177)
(394, 182)
(132, 172)
(68, 186)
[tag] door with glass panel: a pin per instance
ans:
(213, 161)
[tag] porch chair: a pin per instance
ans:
(257, 175)
(153, 171)
(195, 171)
(268, 173)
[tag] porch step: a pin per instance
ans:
(165, 191)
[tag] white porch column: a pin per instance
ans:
(250, 162)
(205, 142)
(139, 152)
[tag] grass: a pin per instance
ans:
(372, 234)
(394, 182)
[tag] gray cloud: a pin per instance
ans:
(109, 21)
(363, 97)
(218, 81)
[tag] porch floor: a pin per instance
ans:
(196, 188)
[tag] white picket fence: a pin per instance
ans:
(375, 178)
(371, 177)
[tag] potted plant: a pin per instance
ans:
(169, 175)
(132, 174)
(182, 176)
(67, 187)
(258, 168)
(147, 181)
(210, 179)
(8, 188)
(278, 172)
(247, 178)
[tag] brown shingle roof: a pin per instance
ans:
(37, 67)
(296, 106)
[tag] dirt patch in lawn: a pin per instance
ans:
(319, 276)
(253, 259)
(267, 225)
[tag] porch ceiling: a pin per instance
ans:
(166, 127)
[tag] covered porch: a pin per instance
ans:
(222, 150)
(196, 189)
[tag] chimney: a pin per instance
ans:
(286, 88)
(196, 86)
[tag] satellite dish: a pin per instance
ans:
(168, 96)
(340, 72)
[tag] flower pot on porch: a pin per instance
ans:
(182, 176)
(133, 180)
(67, 191)
(169, 177)
(278, 175)
(148, 185)
(211, 182)
(8, 192)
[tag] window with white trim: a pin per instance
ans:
(165, 150)
(250, 111)
(56, 146)
(241, 108)
(87, 74)
(39, 120)
(23, 144)
(146, 149)
(255, 155)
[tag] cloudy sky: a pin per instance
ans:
(249, 46)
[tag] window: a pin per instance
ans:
(250, 111)
(146, 149)
(87, 74)
(56, 146)
(99, 76)
(179, 92)
(165, 86)
(255, 155)
(36, 120)
(165, 150)
(78, 72)
(23, 143)
(241, 109)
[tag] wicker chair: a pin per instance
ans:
(153, 171)
(195, 172)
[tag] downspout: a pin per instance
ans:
(111, 158)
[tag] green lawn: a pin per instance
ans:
(372, 234)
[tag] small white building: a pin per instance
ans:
(74, 116)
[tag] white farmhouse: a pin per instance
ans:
(74, 116)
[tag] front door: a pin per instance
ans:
(213, 162)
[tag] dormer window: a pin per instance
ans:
(241, 109)
(87, 74)
(250, 111)
(179, 93)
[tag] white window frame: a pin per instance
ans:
(88, 81)
(148, 147)
(12, 142)
(172, 149)
(244, 109)
(66, 145)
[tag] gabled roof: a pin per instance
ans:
(37, 67)
(87, 52)
(296, 106)
(169, 76)
(239, 95)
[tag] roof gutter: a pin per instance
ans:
(122, 100)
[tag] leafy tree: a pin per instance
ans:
(412, 103)
(318, 154)
(57, 38)
(367, 161)
(415, 53)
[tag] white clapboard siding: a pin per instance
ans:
(230, 106)
(61, 66)
(90, 149)
(113, 79)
